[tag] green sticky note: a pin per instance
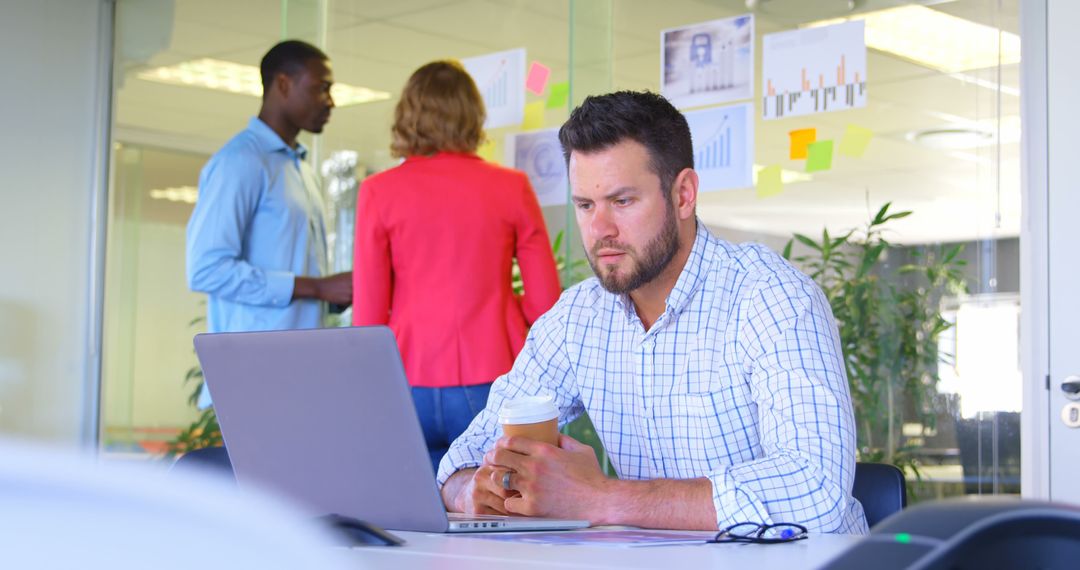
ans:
(534, 116)
(819, 156)
(558, 95)
(855, 141)
(769, 182)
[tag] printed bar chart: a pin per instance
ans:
(814, 70)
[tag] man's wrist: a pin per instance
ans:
(610, 495)
(454, 488)
(305, 288)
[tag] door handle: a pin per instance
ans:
(1071, 387)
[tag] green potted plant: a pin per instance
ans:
(889, 319)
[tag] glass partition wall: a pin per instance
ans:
(928, 125)
(926, 302)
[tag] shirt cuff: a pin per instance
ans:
(279, 286)
(734, 505)
(452, 462)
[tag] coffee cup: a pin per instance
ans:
(532, 417)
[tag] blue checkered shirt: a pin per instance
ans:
(740, 380)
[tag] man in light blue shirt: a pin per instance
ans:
(712, 372)
(256, 242)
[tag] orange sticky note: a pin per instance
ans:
(801, 139)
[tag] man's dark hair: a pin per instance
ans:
(288, 57)
(603, 121)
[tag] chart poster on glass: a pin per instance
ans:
(500, 77)
(813, 70)
(723, 146)
(540, 156)
(708, 63)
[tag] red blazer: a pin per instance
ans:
(435, 238)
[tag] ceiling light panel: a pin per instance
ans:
(936, 39)
(244, 80)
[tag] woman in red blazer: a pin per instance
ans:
(435, 239)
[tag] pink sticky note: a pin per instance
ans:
(538, 77)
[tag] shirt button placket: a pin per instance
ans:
(646, 362)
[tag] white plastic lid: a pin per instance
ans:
(528, 410)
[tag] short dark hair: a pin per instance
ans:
(288, 57)
(603, 121)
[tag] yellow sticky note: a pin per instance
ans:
(769, 182)
(534, 116)
(819, 156)
(855, 140)
(800, 139)
(487, 151)
(558, 95)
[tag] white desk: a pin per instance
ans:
(462, 552)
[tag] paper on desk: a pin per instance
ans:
(617, 538)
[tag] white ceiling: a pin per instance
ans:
(955, 196)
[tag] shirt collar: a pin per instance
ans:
(269, 141)
(690, 279)
(441, 154)
(693, 274)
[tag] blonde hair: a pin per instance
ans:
(440, 110)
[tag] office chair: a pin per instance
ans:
(971, 533)
(881, 489)
(213, 460)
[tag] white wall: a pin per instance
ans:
(53, 93)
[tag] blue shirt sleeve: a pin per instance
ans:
(230, 188)
(806, 421)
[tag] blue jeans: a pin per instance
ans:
(445, 413)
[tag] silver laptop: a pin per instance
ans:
(326, 417)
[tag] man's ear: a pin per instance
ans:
(686, 191)
(282, 84)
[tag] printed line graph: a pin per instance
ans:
(715, 151)
(500, 77)
(723, 140)
(496, 89)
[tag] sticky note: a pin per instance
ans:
(538, 77)
(855, 141)
(799, 141)
(534, 116)
(819, 156)
(769, 182)
(487, 151)
(558, 95)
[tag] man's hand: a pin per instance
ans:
(561, 482)
(335, 289)
(477, 491)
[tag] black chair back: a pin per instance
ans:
(881, 489)
(208, 459)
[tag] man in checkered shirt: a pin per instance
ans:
(712, 372)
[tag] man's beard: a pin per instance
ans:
(657, 256)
